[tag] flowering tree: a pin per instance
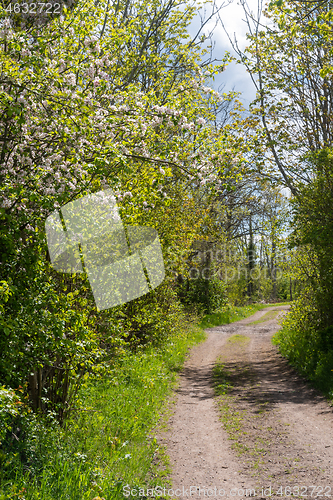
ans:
(81, 110)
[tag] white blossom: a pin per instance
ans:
(25, 52)
(71, 79)
(62, 65)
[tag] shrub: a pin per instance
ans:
(206, 295)
(308, 348)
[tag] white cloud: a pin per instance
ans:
(235, 77)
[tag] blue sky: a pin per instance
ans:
(235, 76)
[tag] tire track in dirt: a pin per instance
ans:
(280, 428)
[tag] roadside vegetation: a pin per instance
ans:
(308, 348)
(234, 313)
(109, 440)
(119, 97)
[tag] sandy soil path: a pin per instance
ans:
(270, 436)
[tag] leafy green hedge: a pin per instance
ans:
(309, 349)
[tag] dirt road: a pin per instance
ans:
(267, 435)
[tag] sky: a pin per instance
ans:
(235, 76)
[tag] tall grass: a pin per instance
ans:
(109, 441)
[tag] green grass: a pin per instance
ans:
(231, 418)
(238, 339)
(222, 379)
(266, 317)
(233, 313)
(110, 441)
